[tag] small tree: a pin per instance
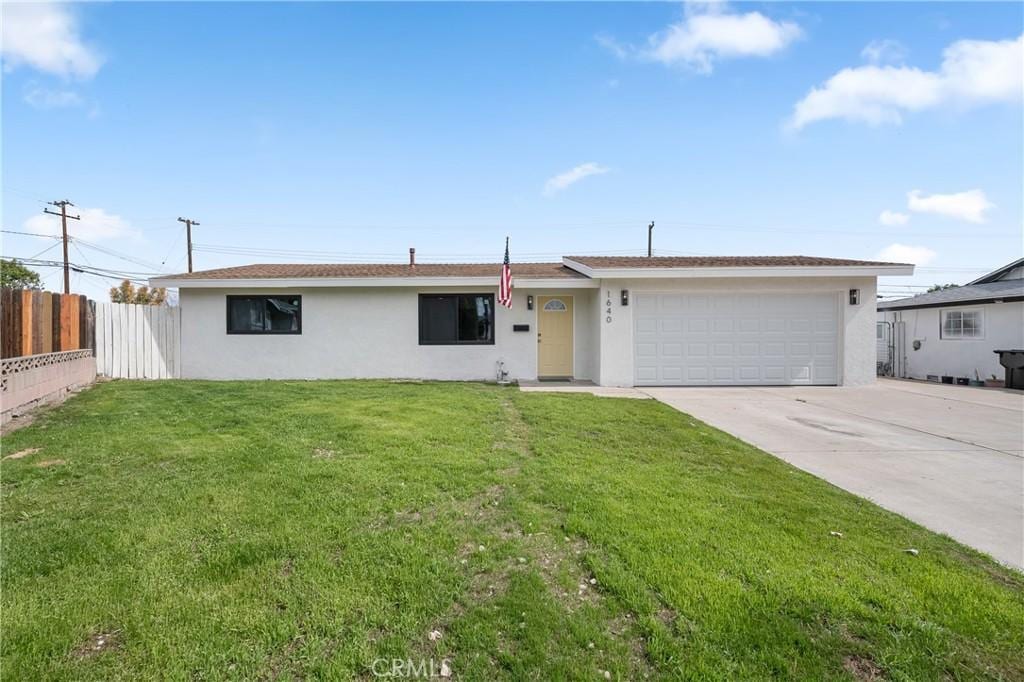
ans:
(15, 275)
(940, 287)
(129, 293)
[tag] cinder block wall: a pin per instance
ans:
(37, 379)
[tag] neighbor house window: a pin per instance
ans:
(447, 319)
(961, 324)
(264, 314)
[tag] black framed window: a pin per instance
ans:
(264, 314)
(454, 319)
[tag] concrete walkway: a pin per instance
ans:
(947, 457)
(581, 386)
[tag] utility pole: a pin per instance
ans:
(64, 233)
(650, 229)
(188, 232)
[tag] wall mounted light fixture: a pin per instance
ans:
(854, 296)
(529, 302)
(625, 297)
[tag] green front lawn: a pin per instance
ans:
(287, 530)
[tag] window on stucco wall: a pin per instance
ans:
(962, 324)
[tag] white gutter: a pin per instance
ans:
(371, 282)
(741, 271)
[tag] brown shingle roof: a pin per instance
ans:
(716, 261)
(331, 270)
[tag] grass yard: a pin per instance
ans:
(288, 530)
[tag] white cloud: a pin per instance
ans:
(45, 98)
(902, 253)
(970, 205)
(609, 43)
(710, 32)
(972, 72)
(44, 35)
(563, 180)
(95, 225)
(884, 52)
(893, 218)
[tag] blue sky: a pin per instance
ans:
(348, 132)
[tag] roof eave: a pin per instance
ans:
(894, 269)
(998, 272)
(342, 282)
(899, 304)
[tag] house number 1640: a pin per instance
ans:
(608, 307)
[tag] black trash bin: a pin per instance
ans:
(1013, 362)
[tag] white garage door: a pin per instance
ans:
(742, 339)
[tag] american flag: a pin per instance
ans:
(505, 286)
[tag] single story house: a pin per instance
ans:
(616, 321)
(953, 332)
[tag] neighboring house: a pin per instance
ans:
(952, 332)
(618, 321)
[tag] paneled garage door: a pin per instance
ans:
(742, 339)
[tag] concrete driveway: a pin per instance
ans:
(947, 457)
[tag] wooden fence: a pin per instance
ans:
(138, 341)
(37, 322)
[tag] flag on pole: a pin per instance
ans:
(505, 285)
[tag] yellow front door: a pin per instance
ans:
(554, 336)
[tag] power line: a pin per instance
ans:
(174, 243)
(99, 272)
(51, 247)
(117, 254)
(31, 234)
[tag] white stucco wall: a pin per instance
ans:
(857, 335)
(366, 333)
(1002, 325)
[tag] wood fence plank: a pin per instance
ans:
(6, 324)
(110, 335)
(126, 336)
(125, 348)
(160, 338)
(55, 302)
(16, 324)
(171, 347)
(129, 348)
(156, 318)
(76, 321)
(140, 348)
(101, 342)
(90, 319)
(144, 340)
(175, 321)
(161, 364)
(83, 322)
(26, 322)
(65, 322)
(46, 320)
(115, 340)
(37, 322)
(140, 341)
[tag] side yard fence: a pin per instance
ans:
(47, 348)
(138, 341)
(38, 322)
(51, 344)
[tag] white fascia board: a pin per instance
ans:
(553, 283)
(746, 271)
(337, 282)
